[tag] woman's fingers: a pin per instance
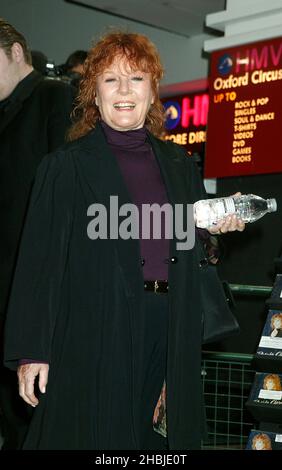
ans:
(26, 376)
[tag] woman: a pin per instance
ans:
(261, 441)
(94, 318)
(272, 382)
(276, 325)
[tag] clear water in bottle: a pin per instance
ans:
(247, 207)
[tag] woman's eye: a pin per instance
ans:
(110, 79)
(137, 79)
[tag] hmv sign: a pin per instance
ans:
(186, 119)
(245, 112)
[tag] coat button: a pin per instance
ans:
(174, 259)
(203, 263)
(142, 262)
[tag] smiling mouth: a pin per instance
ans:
(124, 106)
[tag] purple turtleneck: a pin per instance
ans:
(142, 176)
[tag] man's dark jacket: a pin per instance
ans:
(33, 122)
(77, 304)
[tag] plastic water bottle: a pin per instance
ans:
(247, 207)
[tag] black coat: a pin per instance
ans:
(33, 124)
(77, 304)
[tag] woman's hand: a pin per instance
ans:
(26, 376)
(231, 223)
(228, 224)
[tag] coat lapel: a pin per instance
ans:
(103, 175)
(101, 169)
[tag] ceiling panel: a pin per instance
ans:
(182, 17)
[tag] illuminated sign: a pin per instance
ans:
(186, 119)
(245, 114)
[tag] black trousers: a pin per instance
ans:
(155, 354)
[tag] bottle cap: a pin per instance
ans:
(272, 205)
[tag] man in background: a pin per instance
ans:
(75, 61)
(73, 68)
(34, 118)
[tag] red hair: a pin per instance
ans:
(264, 439)
(141, 54)
(272, 378)
(276, 316)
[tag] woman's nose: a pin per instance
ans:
(124, 86)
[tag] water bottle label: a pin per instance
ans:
(224, 207)
(229, 205)
(219, 211)
(209, 212)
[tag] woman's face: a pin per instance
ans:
(277, 323)
(270, 385)
(259, 445)
(123, 96)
